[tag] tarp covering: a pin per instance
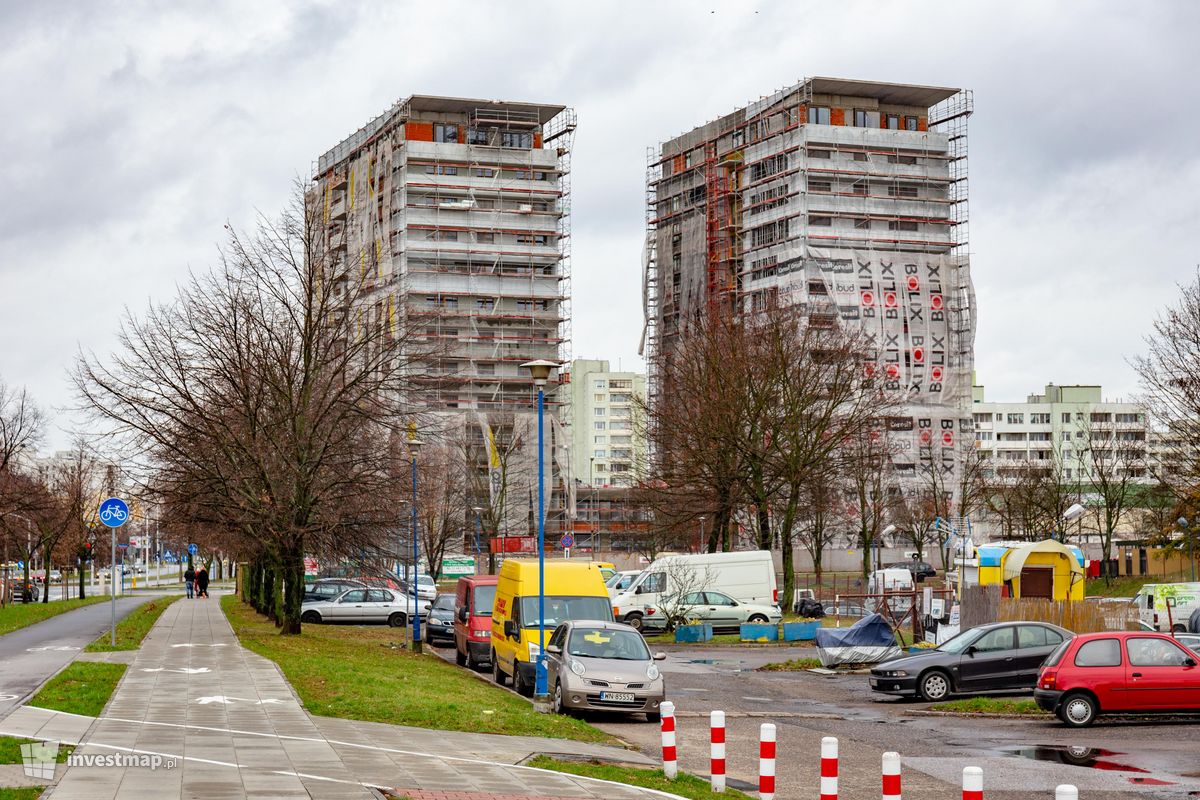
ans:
(1016, 559)
(868, 641)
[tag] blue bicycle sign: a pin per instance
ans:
(113, 512)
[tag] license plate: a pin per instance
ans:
(617, 697)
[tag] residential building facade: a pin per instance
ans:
(601, 412)
(849, 199)
(454, 213)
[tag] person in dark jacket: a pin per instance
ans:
(202, 582)
(189, 578)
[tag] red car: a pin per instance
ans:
(1118, 673)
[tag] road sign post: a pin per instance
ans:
(113, 513)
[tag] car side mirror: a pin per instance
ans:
(510, 629)
(1189, 662)
(462, 614)
(660, 656)
(554, 649)
(970, 651)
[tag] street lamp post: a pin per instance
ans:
(700, 541)
(540, 371)
(1183, 524)
(478, 531)
(414, 444)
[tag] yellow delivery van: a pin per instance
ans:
(574, 590)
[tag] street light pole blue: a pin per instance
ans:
(540, 372)
(478, 532)
(416, 607)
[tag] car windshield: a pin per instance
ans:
(445, 602)
(559, 609)
(485, 598)
(327, 589)
(613, 644)
(425, 580)
(960, 642)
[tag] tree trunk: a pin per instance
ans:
(788, 601)
(81, 594)
(764, 528)
(293, 591)
(46, 577)
(266, 597)
(277, 584)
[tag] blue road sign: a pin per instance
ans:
(567, 540)
(20, 565)
(113, 512)
(193, 549)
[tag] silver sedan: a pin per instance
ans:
(363, 606)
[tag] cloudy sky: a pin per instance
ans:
(133, 131)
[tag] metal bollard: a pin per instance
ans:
(766, 761)
(670, 765)
(972, 783)
(717, 752)
(829, 768)
(891, 776)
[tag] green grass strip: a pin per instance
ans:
(366, 673)
(18, 615)
(133, 629)
(991, 705)
(82, 688)
(793, 665)
(10, 750)
(23, 793)
(684, 785)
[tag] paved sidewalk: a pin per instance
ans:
(230, 726)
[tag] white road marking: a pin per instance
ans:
(5, 698)
(184, 671)
(190, 644)
(48, 647)
(223, 700)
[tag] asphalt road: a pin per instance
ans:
(30, 655)
(1021, 758)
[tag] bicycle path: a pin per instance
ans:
(231, 727)
(31, 655)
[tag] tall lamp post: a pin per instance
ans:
(540, 371)
(478, 531)
(700, 542)
(414, 444)
(1183, 524)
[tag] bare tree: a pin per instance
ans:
(265, 399)
(1112, 459)
(441, 502)
(869, 487)
(22, 424)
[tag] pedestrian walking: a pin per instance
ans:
(202, 582)
(189, 578)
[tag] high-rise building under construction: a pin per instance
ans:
(849, 198)
(455, 214)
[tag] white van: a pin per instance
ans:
(747, 576)
(1167, 607)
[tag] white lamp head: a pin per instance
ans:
(540, 370)
(1073, 513)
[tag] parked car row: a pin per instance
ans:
(355, 602)
(1076, 677)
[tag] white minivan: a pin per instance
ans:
(747, 576)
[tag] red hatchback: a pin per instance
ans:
(1118, 673)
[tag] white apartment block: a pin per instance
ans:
(601, 413)
(847, 198)
(454, 214)
(1055, 427)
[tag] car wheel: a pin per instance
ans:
(653, 716)
(398, 620)
(1078, 710)
(934, 685)
(460, 659)
(311, 617)
(556, 703)
(1179, 627)
(498, 674)
(757, 619)
(520, 685)
(634, 620)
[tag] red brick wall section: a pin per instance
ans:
(837, 116)
(922, 123)
(803, 114)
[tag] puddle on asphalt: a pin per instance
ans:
(1092, 757)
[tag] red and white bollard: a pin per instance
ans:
(670, 765)
(766, 761)
(891, 776)
(829, 768)
(717, 753)
(972, 783)
(1066, 792)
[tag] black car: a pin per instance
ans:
(324, 589)
(998, 657)
(439, 625)
(920, 569)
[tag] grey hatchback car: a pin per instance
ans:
(603, 666)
